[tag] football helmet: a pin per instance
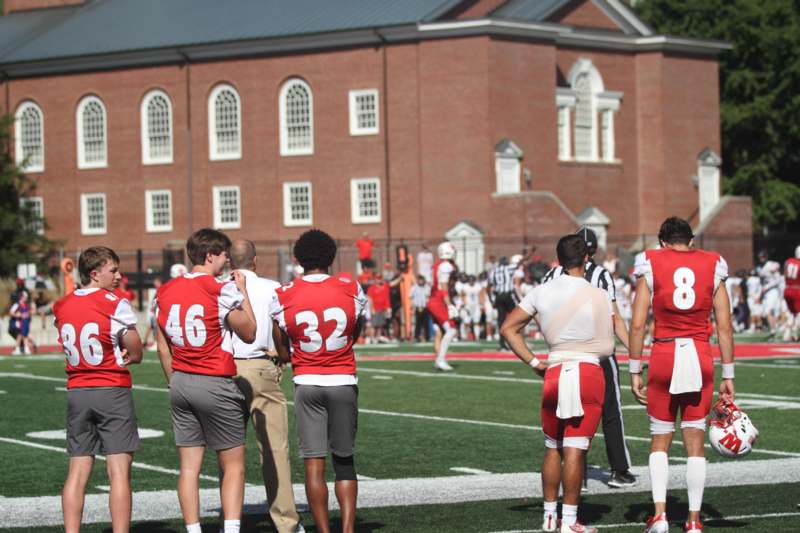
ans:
(516, 259)
(730, 432)
(177, 270)
(797, 253)
(446, 250)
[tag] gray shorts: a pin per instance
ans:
(101, 420)
(326, 419)
(207, 411)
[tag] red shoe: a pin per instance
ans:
(577, 527)
(693, 527)
(657, 524)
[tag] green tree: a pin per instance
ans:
(20, 242)
(759, 95)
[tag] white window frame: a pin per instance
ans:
(513, 167)
(148, 159)
(218, 222)
(85, 229)
(82, 163)
(355, 207)
(18, 136)
(26, 201)
(607, 129)
(287, 207)
(285, 150)
(150, 225)
(213, 154)
(354, 112)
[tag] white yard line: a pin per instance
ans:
(163, 505)
(447, 375)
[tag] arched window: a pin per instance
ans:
(296, 111)
(156, 114)
(91, 118)
(587, 84)
(29, 137)
(224, 123)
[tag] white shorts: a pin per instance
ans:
(771, 303)
(756, 309)
(471, 315)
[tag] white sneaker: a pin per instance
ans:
(550, 523)
(577, 527)
(657, 524)
(443, 366)
(16, 351)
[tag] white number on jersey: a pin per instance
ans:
(335, 341)
(90, 346)
(684, 296)
(792, 269)
(193, 326)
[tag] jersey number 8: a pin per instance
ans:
(683, 297)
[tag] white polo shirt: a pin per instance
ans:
(260, 292)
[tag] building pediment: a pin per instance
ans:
(508, 148)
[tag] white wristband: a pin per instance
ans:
(727, 370)
(635, 366)
(534, 362)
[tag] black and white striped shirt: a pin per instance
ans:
(502, 278)
(596, 275)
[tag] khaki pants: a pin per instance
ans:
(259, 381)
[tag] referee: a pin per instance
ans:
(505, 283)
(613, 427)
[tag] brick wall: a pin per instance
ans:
(729, 231)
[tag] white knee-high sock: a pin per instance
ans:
(446, 338)
(695, 481)
(659, 474)
(569, 514)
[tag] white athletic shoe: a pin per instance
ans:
(550, 523)
(693, 527)
(657, 524)
(577, 527)
(443, 366)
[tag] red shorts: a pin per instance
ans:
(438, 310)
(593, 386)
(664, 406)
(792, 297)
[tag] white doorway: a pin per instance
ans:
(468, 240)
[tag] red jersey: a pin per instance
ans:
(379, 293)
(319, 314)
(791, 271)
(191, 311)
(442, 270)
(90, 324)
(682, 285)
(364, 248)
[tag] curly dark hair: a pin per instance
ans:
(675, 230)
(315, 249)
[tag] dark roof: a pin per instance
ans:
(529, 10)
(114, 26)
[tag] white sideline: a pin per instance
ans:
(756, 450)
(639, 524)
(163, 504)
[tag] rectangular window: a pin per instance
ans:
(297, 206)
(365, 200)
(608, 135)
(564, 141)
(36, 205)
(93, 214)
(158, 210)
(227, 207)
(507, 172)
(364, 112)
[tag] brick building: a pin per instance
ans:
(474, 119)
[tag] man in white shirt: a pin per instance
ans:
(258, 375)
(575, 319)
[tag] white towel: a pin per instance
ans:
(686, 373)
(569, 390)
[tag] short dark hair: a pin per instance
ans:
(675, 230)
(571, 251)
(94, 258)
(315, 249)
(205, 241)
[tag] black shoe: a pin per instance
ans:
(621, 479)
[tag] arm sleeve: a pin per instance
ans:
(528, 304)
(720, 272)
(611, 289)
(642, 267)
(361, 300)
(229, 299)
(122, 320)
(275, 310)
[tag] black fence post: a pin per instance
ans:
(139, 279)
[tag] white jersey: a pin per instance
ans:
(458, 300)
(425, 265)
(575, 319)
(260, 291)
(753, 288)
(471, 294)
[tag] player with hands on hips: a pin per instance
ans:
(97, 331)
(685, 285)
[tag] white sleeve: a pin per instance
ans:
(122, 320)
(528, 304)
(443, 272)
(720, 272)
(229, 299)
(361, 301)
(518, 274)
(642, 267)
(275, 310)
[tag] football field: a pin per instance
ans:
(455, 452)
